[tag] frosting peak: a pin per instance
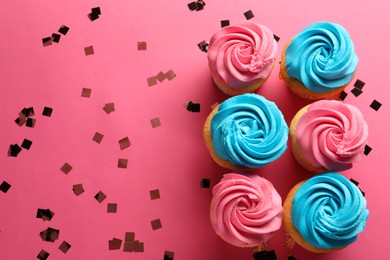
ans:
(322, 57)
(249, 131)
(332, 135)
(242, 53)
(329, 211)
(246, 209)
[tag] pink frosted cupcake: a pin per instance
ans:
(245, 210)
(328, 135)
(241, 57)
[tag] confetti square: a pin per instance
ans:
(356, 92)
(354, 181)
(109, 108)
(152, 81)
(44, 214)
(154, 194)
(100, 196)
(249, 14)
(63, 30)
(14, 150)
(122, 163)
(205, 183)
(26, 144)
(56, 37)
(138, 246)
(89, 50)
(160, 76)
(141, 46)
(96, 10)
(30, 122)
(111, 207)
(114, 244)
(367, 149)
(86, 92)
(170, 75)
(225, 23)
(193, 107)
(168, 255)
(50, 234)
(5, 186)
(203, 46)
(21, 120)
(155, 122)
(78, 189)
(66, 168)
(64, 247)
(375, 105)
(192, 6)
(156, 224)
(43, 255)
(359, 84)
(277, 38)
(27, 112)
(98, 137)
(47, 41)
(47, 111)
(124, 143)
(343, 95)
(200, 5)
(128, 246)
(93, 16)
(129, 236)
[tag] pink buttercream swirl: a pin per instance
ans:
(246, 209)
(332, 135)
(242, 53)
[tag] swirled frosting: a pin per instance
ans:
(332, 134)
(245, 210)
(322, 57)
(329, 211)
(249, 131)
(242, 53)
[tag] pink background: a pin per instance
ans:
(171, 157)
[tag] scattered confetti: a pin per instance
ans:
(14, 150)
(356, 92)
(128, 246)
(290, 257)
(26, 144)
(63, 30)
(141, 46)
(203, 46)
(205, 183)
(249, 14)
(45, 214)
(124, 143)
(66, 168)
(78, 189)
(277, 38)
(114, 244)
(64, 247)
(47, 111)
(359, 84)
(138, 246)
(47, 41)
(98, 137)
(265, 255)
(43, 255)
(193, 107)
(94, 14)
(375, 105)
(129, 236)
(100, 196)
(160, 76)
(89, 50)
(155, 122)
(109, 108)
(168, 255)
(354, 181)
(225, 23)
(5, 186)
(30, 122)
(111, 207)
(122, 163)
(56, 37)
(196, 5)
(154, 194)
(170, 75)
(367, 149)
(50, 234)
(152, 81)
(156, 224)
(86, 92)
(343, 95)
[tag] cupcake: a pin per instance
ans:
(328, 135)
(319, 62)
(245, 210)
(245, 132)
(241, 57)
(324, 213)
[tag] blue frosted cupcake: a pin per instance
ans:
(319, 62)
(245, 132)
(324, 213)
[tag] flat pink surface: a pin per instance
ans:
(171, 157)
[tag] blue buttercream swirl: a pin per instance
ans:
(249, 131)
(322, 56)
(329, 211)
